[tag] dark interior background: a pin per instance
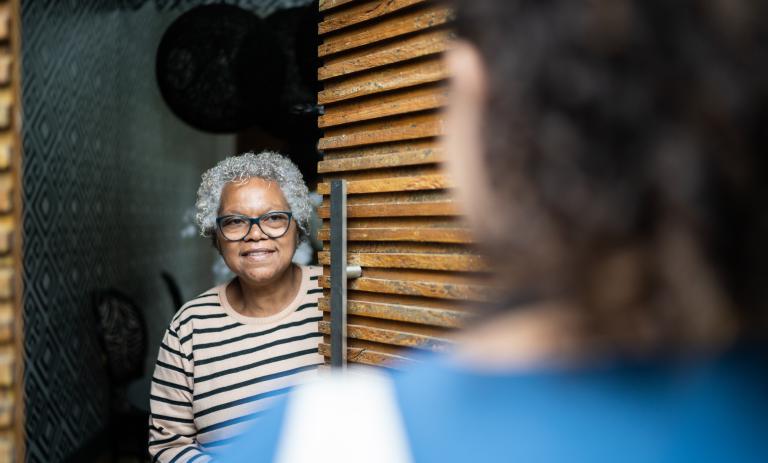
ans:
(109, 179)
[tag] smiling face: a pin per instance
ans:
(257, 260)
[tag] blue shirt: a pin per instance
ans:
(706, 410)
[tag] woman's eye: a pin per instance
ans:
(234, 221)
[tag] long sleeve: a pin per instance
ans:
(172, 431)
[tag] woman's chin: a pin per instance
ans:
(261, 275)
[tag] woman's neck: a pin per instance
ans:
(264, 300)
(538, 335)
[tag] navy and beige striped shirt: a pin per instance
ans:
(217, 369)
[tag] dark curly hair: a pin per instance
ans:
(630, 136)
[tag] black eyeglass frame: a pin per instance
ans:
(257, 221)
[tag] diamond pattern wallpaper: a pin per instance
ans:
(262, 8)
(109, 173)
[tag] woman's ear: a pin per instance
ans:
(465, 128)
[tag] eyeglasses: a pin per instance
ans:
(236, 227)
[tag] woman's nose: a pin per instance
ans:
(255, 234)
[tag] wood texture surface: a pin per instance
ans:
(381, 161)
(424, 44)
(384, 85)
(392, 337)
(403, 312)
(368, 356)
(407, 101)
(387, 28)
(325, 5)
(415, 288)
(428, 70)
(457, 262)
(12, 434)
(400, 128)
(385, 185)
(360, 12)
(433, 235)
(429, 209)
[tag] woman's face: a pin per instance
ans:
(257, 259)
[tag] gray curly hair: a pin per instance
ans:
(267, 165)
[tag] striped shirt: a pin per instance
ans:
(217, 369)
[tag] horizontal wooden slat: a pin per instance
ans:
(392, 337)
(435, 235)
(416, 288)
(455, 262)
(6, 283)
(368, 357)
(437, 208)
(383, 79)
(360, 13)
(381, 161)
(7, 364)
(395, 129)
(5, 22)
(383, 185)
(408, 101)
(402, 247)
(6, 408)
(6, 155)
(6, 68)
(394, 147)
(428, 43)
(325, 5)
(6, 322)
(402, 312)
(385, 29)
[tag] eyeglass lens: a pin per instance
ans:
(237, 227)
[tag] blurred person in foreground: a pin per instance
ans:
(611, 156)
(231, 350)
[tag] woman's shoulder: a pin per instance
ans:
(313, 272)
(205, 306)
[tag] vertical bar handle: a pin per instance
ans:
(338, 274)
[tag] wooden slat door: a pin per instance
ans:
(383, 84)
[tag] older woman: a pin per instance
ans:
(231, 349)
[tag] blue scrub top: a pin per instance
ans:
(698, 410)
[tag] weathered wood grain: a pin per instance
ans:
(403, 312)
(362, 12)
(383, 185)
(456, 262)
(382, 131)
(325, 5)
(392, 337)
(368, 356)
(7, 365)
(434, 235)
(6, 322)
(416, 288)
(437, 208)
(403, 102)
(387, 28)
(416, 46)
(394, 147)
(403, 247)
(384, 79)
(381, 161)
(5, 22)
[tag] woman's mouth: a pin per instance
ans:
(257, 254)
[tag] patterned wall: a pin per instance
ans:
(108, 175)
(262, 8)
